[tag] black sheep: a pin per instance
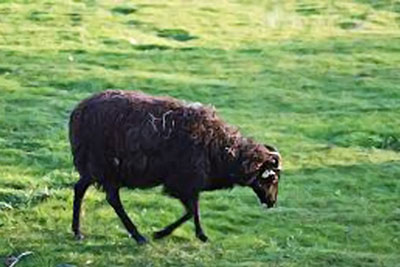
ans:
(130, 139)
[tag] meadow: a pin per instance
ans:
(318, 79)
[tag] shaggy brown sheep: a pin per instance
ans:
(130, 139)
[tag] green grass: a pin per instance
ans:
(319, 79)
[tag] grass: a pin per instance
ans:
(319, 79)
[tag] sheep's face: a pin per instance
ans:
(266, 187)
(265, 180)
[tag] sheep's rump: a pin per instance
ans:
(128, 138)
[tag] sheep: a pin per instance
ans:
(134, 140)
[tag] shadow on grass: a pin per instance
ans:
(387, 5)
(125, 9)
(148, 47)
(40, 16)
(75, 18)
(176, 34)
(309, 9)
(20, 198)
(5, 70)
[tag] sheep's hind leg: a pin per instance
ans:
(115, 201)
(79, 191)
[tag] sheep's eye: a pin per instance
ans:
(275, 163)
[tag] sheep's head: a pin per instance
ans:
(263, 167)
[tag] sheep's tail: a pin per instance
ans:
(80, 148)
(79, 151)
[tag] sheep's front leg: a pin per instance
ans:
(170, 228)
(199, 230)
(115, 201)
(192, 209)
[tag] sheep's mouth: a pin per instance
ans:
(257, 188)
(267, 199)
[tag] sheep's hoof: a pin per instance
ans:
(79, 236)
(202, 237)
(141, 240)
(161, 234)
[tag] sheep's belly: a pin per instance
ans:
(141, 182)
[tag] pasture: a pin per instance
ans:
(318, 79)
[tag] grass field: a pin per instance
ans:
(318, 79)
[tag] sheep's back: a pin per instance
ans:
(131, 133)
